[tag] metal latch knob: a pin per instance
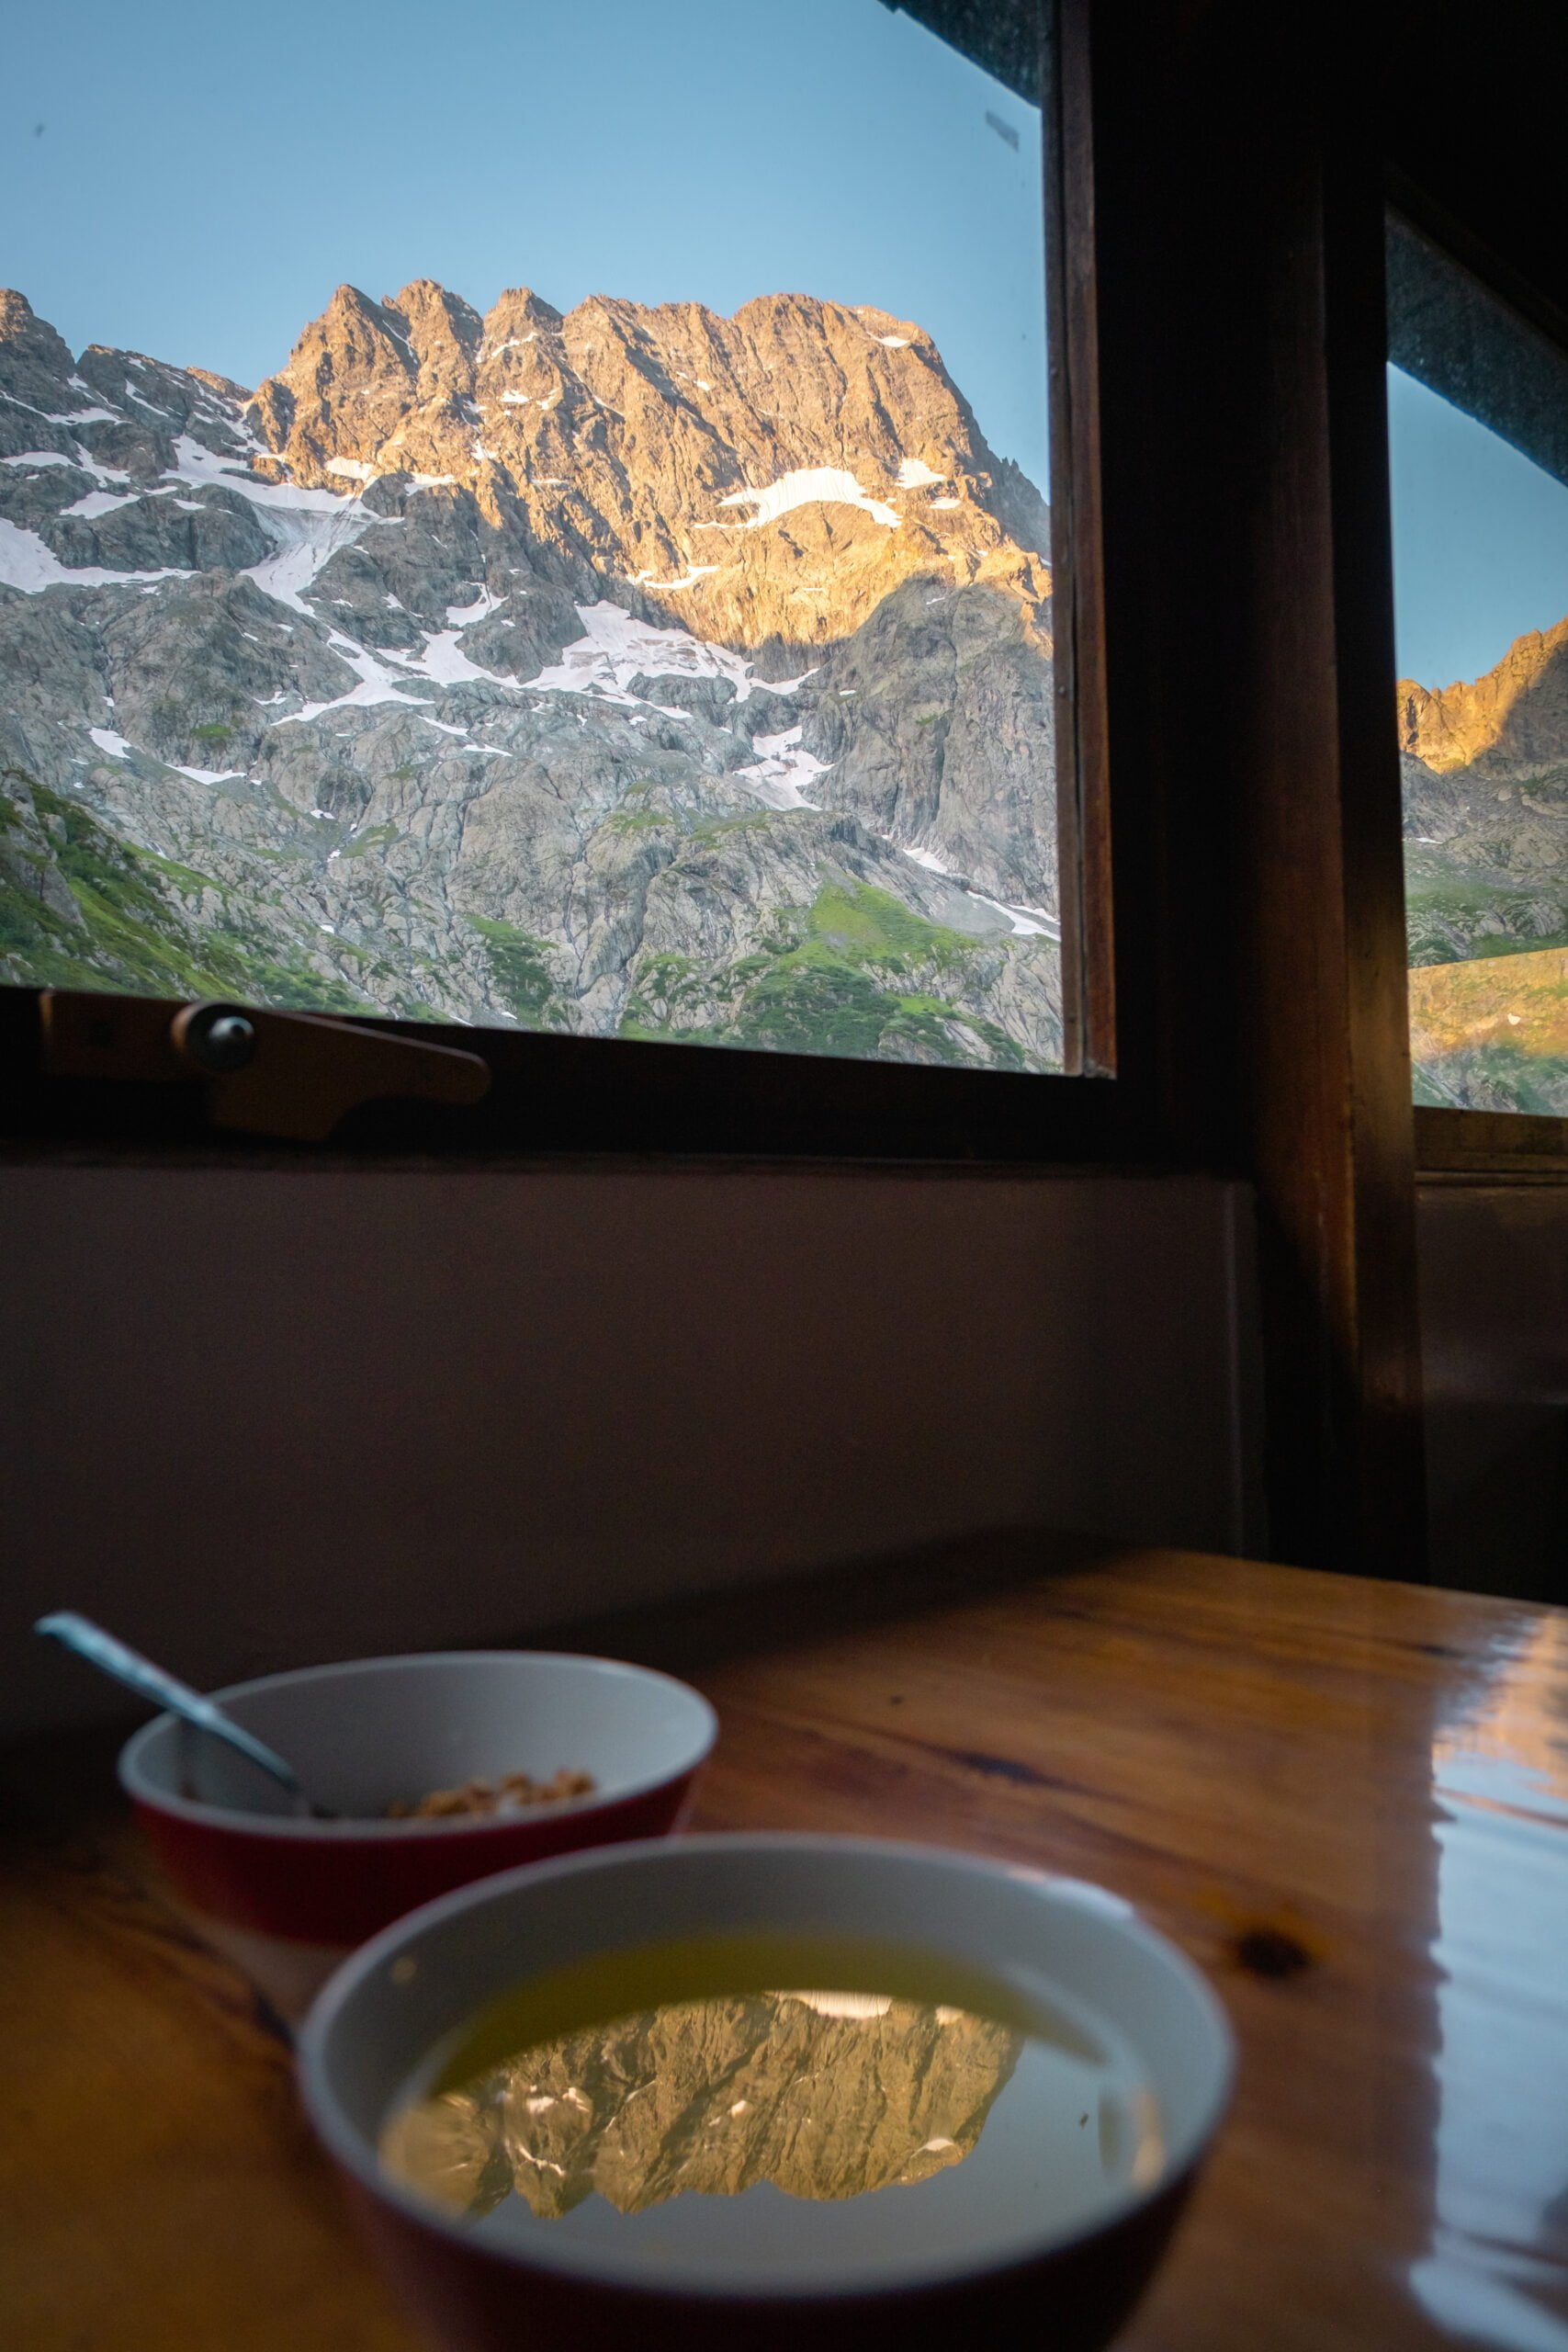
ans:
(216, 1037)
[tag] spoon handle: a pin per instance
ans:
(149, 1681)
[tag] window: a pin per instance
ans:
(657, 648)
(1478, 429)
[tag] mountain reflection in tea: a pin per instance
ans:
(717, 2125)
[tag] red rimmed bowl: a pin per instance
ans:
(1067, 2284)
(288, 1899)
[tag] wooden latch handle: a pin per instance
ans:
(293, 1074)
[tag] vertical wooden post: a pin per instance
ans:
(1328, 1046)
(1251, 746)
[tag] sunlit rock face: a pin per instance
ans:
(764, 479)
(1514, 718)
(825, 2097)
(633, 672)
(1485, 785)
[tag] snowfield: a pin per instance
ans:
(810, 486)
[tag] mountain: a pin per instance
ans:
(713, 2096)
(1516, 718)
(635, 671)
(659, 446)
(1486, 806)
(1485, 769)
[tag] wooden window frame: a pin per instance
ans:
(1455, 1142)
(560, 1094)
(1490, 1143)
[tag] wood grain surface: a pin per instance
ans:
(1347, 1800)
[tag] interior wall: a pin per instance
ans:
(1495, 1339)
(251, 1419)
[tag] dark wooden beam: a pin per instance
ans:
(1084, 820)
(1260, 973)
(1469, 102)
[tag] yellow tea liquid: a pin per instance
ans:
(772, 2111)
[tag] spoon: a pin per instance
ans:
(149, 1681)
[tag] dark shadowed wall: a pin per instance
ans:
(252, 1418)
(1495, 1325)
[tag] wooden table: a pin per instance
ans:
(1348, 1800)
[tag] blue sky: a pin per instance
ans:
(207, 174)
(1480, 539)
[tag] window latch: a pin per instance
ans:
(289, 1074)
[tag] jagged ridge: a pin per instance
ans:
(648, 443)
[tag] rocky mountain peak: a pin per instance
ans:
(353, 335)
(19, 323)
(1514, 718)
(765, 480)
(33, 358)
(516, 311)
(445, 331)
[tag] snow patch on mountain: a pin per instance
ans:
(306, 527)
(26, 564)
(444, 663)
(810, 486)
(692, 573)
(102, 502)
(1027, 922)
(615, 647)
(377, 683)
(777, 777)
(844, 2004)
(305, 540)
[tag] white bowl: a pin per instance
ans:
(394, 2003)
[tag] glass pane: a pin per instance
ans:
(659, 647)
(1478, 435)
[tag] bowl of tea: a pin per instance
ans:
(428, 1772)
(713, 2091)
